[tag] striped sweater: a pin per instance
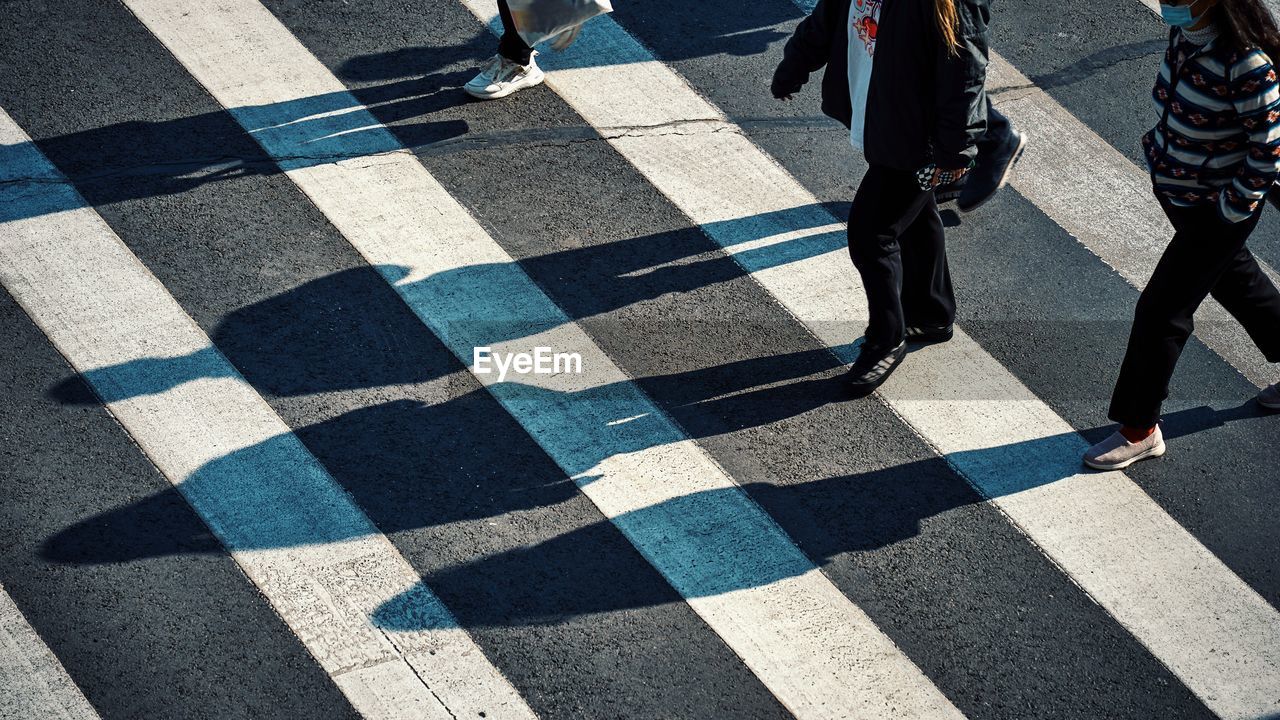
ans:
(1218, 139)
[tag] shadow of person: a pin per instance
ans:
(376, 453)
(426, 468)
(412, 464)
(481, 466)
(139, 159)
(826, 518)
(351, 330)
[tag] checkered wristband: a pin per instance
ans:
(925, 177)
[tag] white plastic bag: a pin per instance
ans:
(538, 20)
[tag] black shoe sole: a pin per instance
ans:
(948, 193)
(1004, 178)
(932, 336)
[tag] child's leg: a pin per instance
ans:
(928, 300)
(1250, 296)
(512, 46)
(1201, 251)
(887, 203)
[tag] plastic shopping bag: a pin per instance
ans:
(538, 20)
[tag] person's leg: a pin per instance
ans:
(998, 150)
(1250, 296)
(512, 70)
(928, 300)
(888, 202)
(998, 131)
(1202, 249)
(512, 46)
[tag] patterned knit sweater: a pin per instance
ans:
(1218, 139)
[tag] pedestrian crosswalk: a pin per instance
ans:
(36, 685)
(269, 235)
(289, 526)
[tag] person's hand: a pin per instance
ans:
(946, 176)
(566, 38)
(783, 87)
(931, 176)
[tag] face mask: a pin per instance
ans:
(1179, 15)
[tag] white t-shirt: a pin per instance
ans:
(864, 21)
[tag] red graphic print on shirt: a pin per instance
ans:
(866, 14)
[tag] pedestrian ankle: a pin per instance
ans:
(1137, 435)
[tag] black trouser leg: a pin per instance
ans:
(512, 46)
(889, 210)
(998, 131)
(927, 296)
(1252, 299)
(1204, 251)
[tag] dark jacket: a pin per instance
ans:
(924, 104)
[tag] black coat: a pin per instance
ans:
(924, 104)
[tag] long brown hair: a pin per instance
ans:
(948, 20)
(1246, 24)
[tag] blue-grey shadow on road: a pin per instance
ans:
(427, 466)
(138, 159)
(422, 466)
(827, 517)
(272, 341)
(377, 454)
(389, 448)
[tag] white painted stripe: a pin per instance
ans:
(297, 535)
(1104, 200)
(33, 684)
(815, 650)
(1210, 628)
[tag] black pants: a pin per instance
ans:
(897, 244)
(512, 46)
(1207, 256)
(998, 129)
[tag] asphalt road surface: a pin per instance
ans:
(250, 467)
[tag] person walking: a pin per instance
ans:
(907, 77)
(514, 67)
(1213, 155)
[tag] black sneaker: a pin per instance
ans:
(950, 191)
(873, 366)
(925, 334)
(991, 172)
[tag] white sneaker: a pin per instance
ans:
(1117, 453)
(1270, 398)
(502, 77)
